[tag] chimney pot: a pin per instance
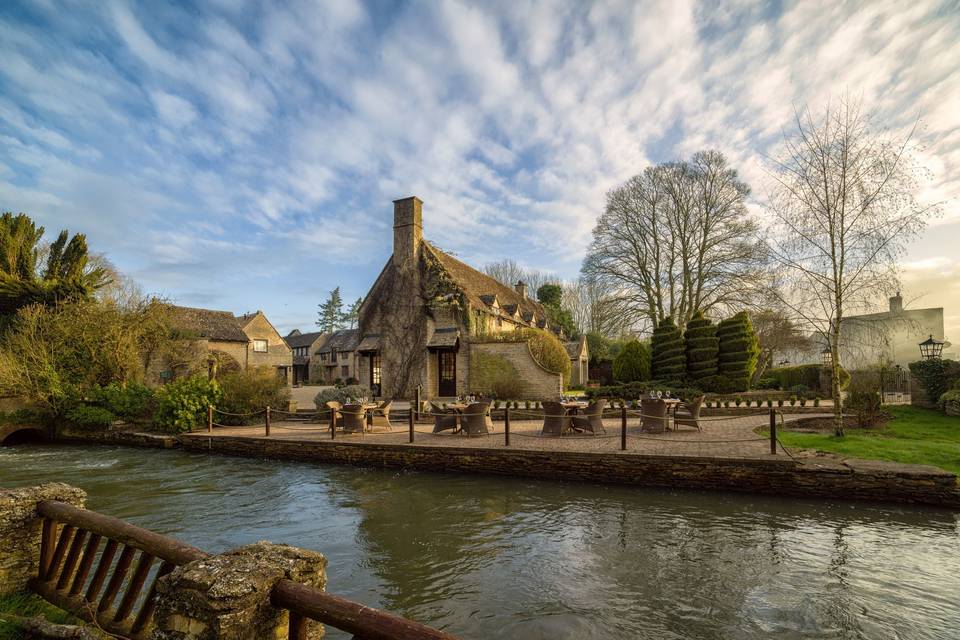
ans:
(521, 288)
(896, 303)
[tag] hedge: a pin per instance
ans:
(668, 361)
(633, 363)
(936, 376)
(639, 390)
(739, 350)
(702, 347)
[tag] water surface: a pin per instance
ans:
(509, 558)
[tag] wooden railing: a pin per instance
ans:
(76, 542)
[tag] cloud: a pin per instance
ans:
(252, 162)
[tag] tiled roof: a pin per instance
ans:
(342, 340)
(480, 288)
(444, 337)
(221, 326)
(369, 343)
(302, 339)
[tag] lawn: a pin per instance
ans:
(27, 605)
(913, 436)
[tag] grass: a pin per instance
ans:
(913, 436)
(28, 605)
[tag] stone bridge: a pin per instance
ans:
(14, 433)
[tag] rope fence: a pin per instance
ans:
(376, 421)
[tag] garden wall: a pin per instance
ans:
(538, 382)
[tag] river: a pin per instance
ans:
(510, 558)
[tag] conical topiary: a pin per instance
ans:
(669, 362)
(633, 363)
(739, 349)
(702, 346)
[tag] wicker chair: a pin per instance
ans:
(654, 415)
(354, 418)
(688, 413)
(381, 415)
(444, 418)
(592, 418)
(476, 419)
(556, 422)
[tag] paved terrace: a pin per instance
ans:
(722, 436)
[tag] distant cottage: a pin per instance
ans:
(428, 315)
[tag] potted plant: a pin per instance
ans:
(779, 402)
(816, 401)
(769, 402)
(793, 401)
(738, 401)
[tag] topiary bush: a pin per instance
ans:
(739, 350)
(182, 404)
(702, 349)
(668, 358)
(633, 363)
(251, 391)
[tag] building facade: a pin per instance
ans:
(424, 312)
(891, 336)
(306, 348)
(336, 357)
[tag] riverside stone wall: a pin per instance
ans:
(814, 477)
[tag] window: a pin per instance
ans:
(343, 355)
(375, 369)
(345, 371)
(323, 357)
(260, 346)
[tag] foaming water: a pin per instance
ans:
(490, 557)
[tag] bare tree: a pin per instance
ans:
(594, 310)
(677, 239)
(778, 334)
(509, 272)
(843, 200)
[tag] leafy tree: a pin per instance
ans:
(633, 363)
(669, 358)
(739, 349)
(67, 275)
(702, 347)
(352, 317)
(331, 316)
(551, 297)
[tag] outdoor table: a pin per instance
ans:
(459, 407)
(368, 416)
(671, 403)
(571, 408)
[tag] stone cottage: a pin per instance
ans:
(427, 312)
(306, 355)
(226, 341)
(337, 357)
(579, 361)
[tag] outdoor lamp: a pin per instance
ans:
(826, 357)
(931, 348)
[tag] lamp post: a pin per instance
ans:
(931, 348)
(826, 357)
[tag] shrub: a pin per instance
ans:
(89, 416)
(182, 404)
(816, 402)
(739, 350)
(767, 383)
(780, 402)
(340, 394)
(867, 405)
(251, 391)
(803, 401)
(129, 401)
(633, 363)
(702, 348)
(799, 389)
(668, 357)
(769, 402)
(936, 376)
(738, 401)
(950, 402)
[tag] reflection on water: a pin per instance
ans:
(491, 557)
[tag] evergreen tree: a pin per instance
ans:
(669, 359)
(331, 314)
(352, 317)
(68, 274)
(633, 363)
(702, 348)
(739, 350)
(551, 297)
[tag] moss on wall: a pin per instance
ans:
(493, 375)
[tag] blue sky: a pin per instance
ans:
(244, 155)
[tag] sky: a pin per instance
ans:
(245, 155)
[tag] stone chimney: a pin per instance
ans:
(896, 304)
(521, 288)
(407, 230)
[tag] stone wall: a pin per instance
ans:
(278, 353)
(20, 530)
(539, 383)
(821, 478)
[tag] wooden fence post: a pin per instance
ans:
(623, 426)
(267, 421)
(506, 426)
(410, 421)
(416, 407)
(210, 418)
(333, 423)
(773, 431)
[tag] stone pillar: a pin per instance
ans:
(20, 530)
(227, 597)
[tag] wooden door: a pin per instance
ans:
(447, 367)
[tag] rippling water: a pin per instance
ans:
(488, 557)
